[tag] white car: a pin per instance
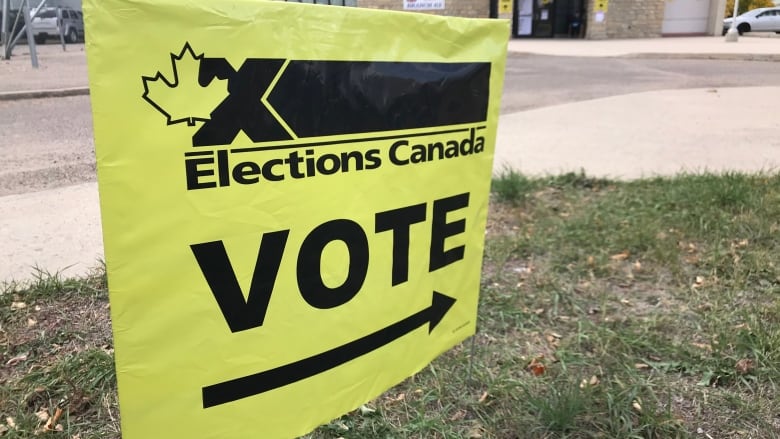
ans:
(757, 20)
(47, 25)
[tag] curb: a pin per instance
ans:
(40, 94)
(767, 57)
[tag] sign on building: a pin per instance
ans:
(423, 5)
(293, 199)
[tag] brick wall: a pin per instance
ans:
(627, 19)
(458, 8)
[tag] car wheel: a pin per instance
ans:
(39, 39)
(72, 37)
(742, 28)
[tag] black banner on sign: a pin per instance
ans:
(325, 98)
(322, 98)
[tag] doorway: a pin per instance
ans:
(549, 18)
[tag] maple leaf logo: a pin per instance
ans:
(183, 99)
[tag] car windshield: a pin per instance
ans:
(47, 14)
(752, 13)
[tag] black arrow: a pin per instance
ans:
(244, 387)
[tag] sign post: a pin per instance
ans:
(293, 211)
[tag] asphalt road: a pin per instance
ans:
(47, 143)
(538, 81)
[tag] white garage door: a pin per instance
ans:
(686, 16)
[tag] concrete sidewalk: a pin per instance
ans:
(58, 70)
(646, 134)
(759, 47)
(628, 136)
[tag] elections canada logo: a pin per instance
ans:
(283, 104)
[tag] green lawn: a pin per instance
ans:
(644, 309)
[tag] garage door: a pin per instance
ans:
(686, 17)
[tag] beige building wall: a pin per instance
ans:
(717, 13)
(457, 8)
(625, 19)
(640, 19)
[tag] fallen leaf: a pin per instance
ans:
(591, 261)
(17, 359)
(636, 405)
(637, 265)
(703, 346)
(475, 432)
(625, 302)
(9, 421)
(484, 397)
(3, 429)
(18, 305)
(43, 414)
(366, 410)
(641, 366)
(539, 311)
(460, 414)
(31, 322)
(620, 256)
(744, 366)
(594, 380)
(53, 420)
(536, 367)
(399, 398)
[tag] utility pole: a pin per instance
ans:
(4, 24)
(28, 29)
(732, 36)
(10, 41)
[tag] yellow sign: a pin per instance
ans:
(505, 6)
(601, 5)
(293, 198)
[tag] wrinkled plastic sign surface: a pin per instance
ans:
(294, 200)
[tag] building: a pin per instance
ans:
(592, 19)
(654, 18)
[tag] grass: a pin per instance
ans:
(644, 309)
